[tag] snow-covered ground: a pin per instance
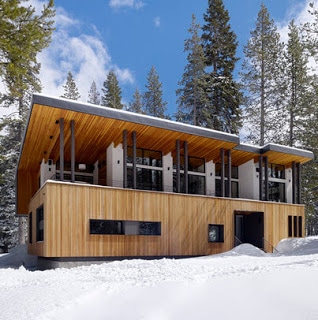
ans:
(244, 283)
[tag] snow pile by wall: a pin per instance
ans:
(298, 246)
(17, 257)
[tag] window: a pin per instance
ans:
(276, 191)
(124, 227)
(147, 179)
(234, 186)
(216, 233)
(295, 226)
(30, 227)
(196, 175)
(276, 171)
(234, 171)
(40, 223)
(145, 157)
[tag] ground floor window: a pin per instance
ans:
(295, 226)
(216, 233)
(40, 223)
(30, 228)
(124, 227)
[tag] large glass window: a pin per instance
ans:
(196, 175)
(124, 227)
(276, 171)
(276, 191)
(147, 179)
(145, 157)
(234, 185)
(234, 171)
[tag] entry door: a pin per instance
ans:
(239, 230)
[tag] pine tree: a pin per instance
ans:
(70, 88)
(219, 44)
(299, 91)
(112, 92)
(93, 94)
(262, 78)
(192, 95)
(153, 103)
(23, 35)
(136, 104)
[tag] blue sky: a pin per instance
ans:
(131, 36)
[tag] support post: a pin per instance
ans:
(266, 179)
(134, 142)
(222, 173)
(72, 151)
(178, 165)
(125, 158)
(294, 182)
(229, 172)
(298, 166)
(260, 177)
(61, 121)
(186, 165)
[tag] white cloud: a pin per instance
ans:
(86, 56)
(157, 22)
(137, 4)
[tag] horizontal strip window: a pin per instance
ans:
(145, 157)
(216, 233)
(124, 227)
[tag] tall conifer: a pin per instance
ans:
(219, 43)
(192, 97)
(153, 103)
(70, 88)
(262, 78)
(93, 94)
(112, 92)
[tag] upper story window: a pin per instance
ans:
(276, 171)
(234, 171)
(145, 157)
(196, 175)
(148, 171)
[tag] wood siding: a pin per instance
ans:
(184, 221)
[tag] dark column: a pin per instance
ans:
(260, 177)
(134, 142)
(222, 173)
(61, 149)
(125, 158)
(229, 173)
(294, 182)
(266, 179)
(178, 165)
(72, 150)
(186, 163)
(298, 166)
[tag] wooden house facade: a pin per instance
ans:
(98, 182)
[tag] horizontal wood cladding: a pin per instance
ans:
(184, 221)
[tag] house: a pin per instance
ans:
(98, 182)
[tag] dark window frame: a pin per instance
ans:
(218, 237)
(40, 223)
(124, 227)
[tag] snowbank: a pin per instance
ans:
(244, 283)
(17, 257)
